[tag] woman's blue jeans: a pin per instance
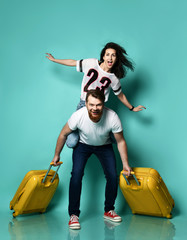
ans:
(73, 138)
(106, 156)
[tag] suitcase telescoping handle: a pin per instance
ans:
(50, 166)
(133, 174)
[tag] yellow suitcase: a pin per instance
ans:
(146, 193)
(35, 191)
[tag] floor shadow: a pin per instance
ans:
(150, 228)
(57, 199)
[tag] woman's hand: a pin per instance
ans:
(50, 57)
(138, 108)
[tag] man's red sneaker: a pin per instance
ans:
(74, 222)
(112, 216)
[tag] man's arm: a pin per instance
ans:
(67, 62)
(60, 143)
(122, 148)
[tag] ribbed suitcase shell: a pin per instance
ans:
(151, 197)
(33, 195)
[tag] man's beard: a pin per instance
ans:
(95, 118)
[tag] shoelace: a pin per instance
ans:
(112, 212)
(74, 218)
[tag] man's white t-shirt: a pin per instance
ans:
(95, 134)
(95, 77)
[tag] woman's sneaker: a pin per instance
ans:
(74, 222)
(112, 216)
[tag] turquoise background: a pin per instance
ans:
(37, 96)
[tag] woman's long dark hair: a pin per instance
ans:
(122, 63)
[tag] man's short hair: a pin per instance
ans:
(96, 93)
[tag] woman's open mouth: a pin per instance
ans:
(110, 63)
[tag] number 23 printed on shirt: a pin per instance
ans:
(93, 74)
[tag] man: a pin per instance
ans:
(94, 123)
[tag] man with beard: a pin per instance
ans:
(94, 123)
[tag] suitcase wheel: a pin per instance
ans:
(15, 214)
(43, 211)
(169, 216)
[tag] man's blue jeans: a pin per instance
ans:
(106, 156)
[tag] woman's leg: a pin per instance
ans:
(73, 138)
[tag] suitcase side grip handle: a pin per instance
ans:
(50, 166)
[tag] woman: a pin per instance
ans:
(104, 75)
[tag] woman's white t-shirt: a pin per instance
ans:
(96, 78)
